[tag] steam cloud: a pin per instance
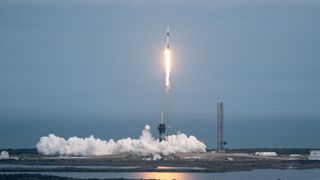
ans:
(144, 146)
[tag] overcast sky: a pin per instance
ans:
(106, 56)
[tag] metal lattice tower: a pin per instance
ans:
(162, 129)
(220, 119)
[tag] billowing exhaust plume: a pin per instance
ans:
(143, 146)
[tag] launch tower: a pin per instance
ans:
(162, 129)
(220, 119)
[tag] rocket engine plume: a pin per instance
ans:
(167, 55)
(168, 67)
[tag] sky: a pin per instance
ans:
(104, 58)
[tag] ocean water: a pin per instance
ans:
(241, 131)
(311, 174)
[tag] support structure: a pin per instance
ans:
(162, 129)
(220, 119)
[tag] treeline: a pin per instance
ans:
(31, 177)
(26, 151)
(47, 177)
(283, 151)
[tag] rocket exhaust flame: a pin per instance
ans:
(167, 55)
(167, 68)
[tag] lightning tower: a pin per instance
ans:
(220, 119)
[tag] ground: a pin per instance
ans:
(233, 160)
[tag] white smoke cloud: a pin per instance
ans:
(144, 146)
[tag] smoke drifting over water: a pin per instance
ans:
(145, 145)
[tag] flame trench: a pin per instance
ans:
(167, 69)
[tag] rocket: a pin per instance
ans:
(168, 34)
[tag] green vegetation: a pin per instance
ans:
(280, 151)
(47, 177)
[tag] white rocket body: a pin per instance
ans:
(168, 34)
